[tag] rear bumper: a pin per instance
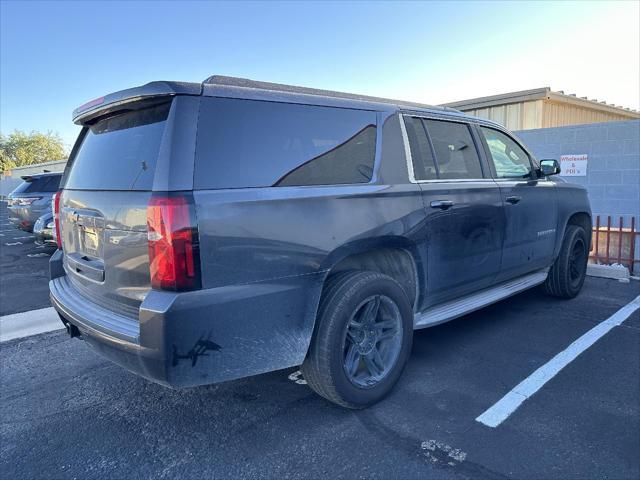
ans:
(44, 237)
(20, 223)
(201, 337)
(24, 218)
(115, 337)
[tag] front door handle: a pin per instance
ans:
(442, 204)
(513, 199)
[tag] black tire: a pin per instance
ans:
(568, 272)
(346, 295)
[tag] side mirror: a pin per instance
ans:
(549, 167)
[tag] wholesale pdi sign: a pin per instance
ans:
(573, 165)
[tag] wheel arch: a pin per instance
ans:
(394, 256)
(580, 219)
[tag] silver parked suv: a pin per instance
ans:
(211, 231)
(32, 199)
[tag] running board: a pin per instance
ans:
(456, 308)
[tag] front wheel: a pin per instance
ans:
(568, 272)
(362, 339)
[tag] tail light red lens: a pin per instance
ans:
(56, 217)
(174, 260)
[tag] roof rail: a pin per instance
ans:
(223, 80)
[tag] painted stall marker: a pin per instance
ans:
(508, 404)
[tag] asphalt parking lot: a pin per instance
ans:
(24, 267)
(67, 413)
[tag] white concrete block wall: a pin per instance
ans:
(613, 171)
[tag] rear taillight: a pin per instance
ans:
(174, 259)
(55, 206)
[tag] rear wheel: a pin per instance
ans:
(362, 339)
(568, 272)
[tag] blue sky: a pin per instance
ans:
(55, 56)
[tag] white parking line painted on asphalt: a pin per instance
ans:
(25, 324)
(508, 404)
(38, 255)
(12, 244)
(25, 237)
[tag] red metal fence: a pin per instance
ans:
(613, 243)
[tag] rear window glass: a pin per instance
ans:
(120, 152)
(47, 183)
(247, 143)
(24, 187)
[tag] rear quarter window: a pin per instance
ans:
(119, 152)
(247, 143)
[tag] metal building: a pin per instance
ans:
(542, 108)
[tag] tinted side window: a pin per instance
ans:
(509, 159)
(456, 153)
(247, 143)
(423, 165)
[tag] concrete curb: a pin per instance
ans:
(616, 272)
(29, 323)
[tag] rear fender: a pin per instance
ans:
(340, 258)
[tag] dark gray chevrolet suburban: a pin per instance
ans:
(211, 231)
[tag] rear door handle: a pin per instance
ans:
(513, 199)
(442, 204)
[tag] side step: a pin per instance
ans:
(456, 308)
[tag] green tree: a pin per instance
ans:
(19, 149)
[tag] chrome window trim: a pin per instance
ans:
(441, 118)
(407, 150)
(523, 180)
(457, 180)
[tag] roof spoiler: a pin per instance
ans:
(121, 100)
